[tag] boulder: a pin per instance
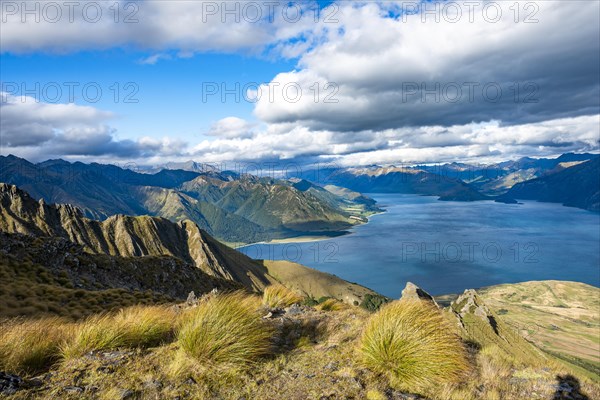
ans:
(413, 292)
(9, 384)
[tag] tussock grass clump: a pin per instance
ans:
(29, 346)
(278, 296)
(138, 326)
(226, 329)
(332, 305)
(414, 345)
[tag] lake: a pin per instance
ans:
(447, 247)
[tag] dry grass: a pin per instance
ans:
(375, 394)
(138, 326)
(414, 345)
(32, 290)
(561, 318)
(278, 296)
(332, 305)
(226, 329)
(28, 346)
(315, 357)
(406, 346)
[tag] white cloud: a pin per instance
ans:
(28, 122)
(232, 127)
(154, 58)
(375, 61)
(39, 131)
(490, 140)
(186, 26)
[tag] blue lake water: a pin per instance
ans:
(446, 247)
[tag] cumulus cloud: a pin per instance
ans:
(26, 122)
(232, 127)
(38, 131)
(388, 70)
(490, 141)
(356, 95)
(188, 26)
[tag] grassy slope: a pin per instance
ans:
(313, 356)
(562, 318)
(52, 276)
(315, 283)
(30, 290)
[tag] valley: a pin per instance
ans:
(233, 208)
(84, 274)
(299, 200)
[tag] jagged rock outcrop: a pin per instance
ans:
(126, 236)
(413, 292)
(470, 303)
(480, 325)
(132, 237)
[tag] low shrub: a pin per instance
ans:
(372, 302)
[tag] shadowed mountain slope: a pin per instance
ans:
(229, 206)
(404, 180)
(576, 186)
(127, 236)
(139, 237)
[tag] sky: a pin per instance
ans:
(352, 83)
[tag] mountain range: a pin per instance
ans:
(229, 206)
(241, 208)
(497, 179)
(575, 186)
(162, 251)
(571, 179)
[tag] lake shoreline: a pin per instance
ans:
(446, 247)
(308, 238)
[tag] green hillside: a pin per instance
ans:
(232, 207)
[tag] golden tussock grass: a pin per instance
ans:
(226, 329)
(375, 394)
(138, 326)
(332, 305)
(278, 296)
(28, 346)
(414, 346)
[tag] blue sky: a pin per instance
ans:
(377, 85)
(169, 93)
